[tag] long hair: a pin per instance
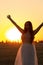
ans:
(30, 28)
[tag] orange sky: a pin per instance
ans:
(21, 11)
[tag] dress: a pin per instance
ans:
(26, 55)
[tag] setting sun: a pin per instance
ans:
(13, 34)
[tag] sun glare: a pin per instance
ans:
(13, 34)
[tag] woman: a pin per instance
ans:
(26, 54)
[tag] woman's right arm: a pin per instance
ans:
(18, 27)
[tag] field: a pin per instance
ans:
(8, 51)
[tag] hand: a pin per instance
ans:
(9, 17)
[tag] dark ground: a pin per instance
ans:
(9, 50)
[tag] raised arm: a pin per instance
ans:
(39, 27)
(19, 28)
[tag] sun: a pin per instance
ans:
(13, 34)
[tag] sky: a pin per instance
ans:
(21, 11)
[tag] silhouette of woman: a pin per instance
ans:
(26, 54)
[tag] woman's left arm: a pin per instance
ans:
(39, 27)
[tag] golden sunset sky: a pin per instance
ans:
(21, 11)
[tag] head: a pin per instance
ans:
(28, 26)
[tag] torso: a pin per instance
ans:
(26, 37)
